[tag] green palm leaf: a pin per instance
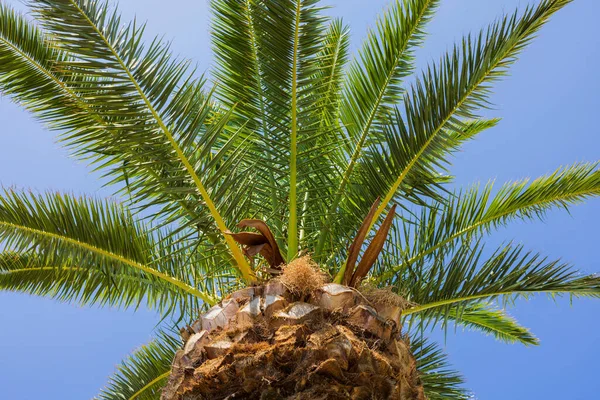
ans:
(277, 98)
(27, 67)
(321, 154)
(142, 375)
(487, 319)
(104, 125)
(445, 95)
(473, 212)
(72, 282)
(146, 83)
(465, 275)
(373, 85)
(62, 231)
(439, 381)
(51, 96)
(239, 70)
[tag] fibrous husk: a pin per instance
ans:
(388, 304)
(303, 276)
(383, 296)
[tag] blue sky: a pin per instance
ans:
(549, 107)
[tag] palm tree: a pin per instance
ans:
(334, 155)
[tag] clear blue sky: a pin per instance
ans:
(549, 109)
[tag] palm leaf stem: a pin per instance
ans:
(150, 384)
(440, 303)
(293, 217)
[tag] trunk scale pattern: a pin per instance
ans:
(270, 342)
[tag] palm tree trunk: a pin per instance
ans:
(275, 342)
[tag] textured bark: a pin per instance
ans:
(280, 345)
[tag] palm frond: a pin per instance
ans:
(374, 84)
(239, 70)
(27, 53)
(235, 44)
(454, 281)
(439, 381)
(304, 43)
(27, 67)
(271, 53)
(331, 61)
(115, 139)
(240, 73)
(488, 319)
(142, 375)
(322, 154)
(63, 232)
(479, 211)
(71, 282)
(292, 33)
(440, 100)
(374, 79)
(141, 90)
(470, 129)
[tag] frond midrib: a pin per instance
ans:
(150, 384)
(69, 269)
(293, 203)
(261, 96)
(428, 306)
